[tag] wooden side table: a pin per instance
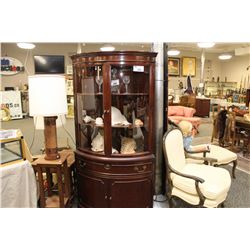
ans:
(63, 168)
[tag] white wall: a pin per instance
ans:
(11, 49)
(234, 69)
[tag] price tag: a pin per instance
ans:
(115, 83)
(137, 68)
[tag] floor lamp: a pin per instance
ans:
(47, 98)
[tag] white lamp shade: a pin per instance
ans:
(47, 95)
(39, 121)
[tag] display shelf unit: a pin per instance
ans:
(70, 95)
(115, 157)
(219, 89)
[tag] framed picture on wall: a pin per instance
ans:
(188, 66)
(173, 66)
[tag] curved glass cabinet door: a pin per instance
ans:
(129, 108)
(90, 108)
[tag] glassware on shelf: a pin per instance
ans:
(99, 81)
(126, 80)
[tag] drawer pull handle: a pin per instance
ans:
(107, 166)
(142, 170)
(82, 164)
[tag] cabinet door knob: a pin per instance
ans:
(110, 197)
(82, 164)
(106, 111)
(107, 166)
(106, 197)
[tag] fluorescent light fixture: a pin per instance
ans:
(107, 47)
(225, 57)
(26, 45)
(205, 45)
(173, 52)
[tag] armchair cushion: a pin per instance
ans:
(217, 180)
(194, 199)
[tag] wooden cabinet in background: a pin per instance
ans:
(247, 97)
(202, 106)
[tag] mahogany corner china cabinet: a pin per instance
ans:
(114, 124)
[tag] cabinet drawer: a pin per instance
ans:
(113, 169)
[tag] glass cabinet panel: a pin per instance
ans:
(90, 108)
(129, 108)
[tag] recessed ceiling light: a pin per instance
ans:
(173, 52)
(26, 45)
(107, 47)
(205, 45)
(225, 57)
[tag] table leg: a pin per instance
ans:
(41, 187)
(60, 187)
(49, 181)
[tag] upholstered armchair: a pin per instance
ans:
(216, 156)
(197, 184)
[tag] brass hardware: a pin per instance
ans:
(106, 111)
(107, 166)
(142, 170)
(82, 164)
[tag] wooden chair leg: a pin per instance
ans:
(233, 170)
(170, 201)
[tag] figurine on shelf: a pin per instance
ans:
(117, 117)
(88, 119)
(98, 143)
(138, 122)
(128, 145)
(99, 121)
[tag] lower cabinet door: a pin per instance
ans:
(125, 193)
(92, 191)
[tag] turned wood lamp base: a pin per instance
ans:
(51, 150)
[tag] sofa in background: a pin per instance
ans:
(180, 113)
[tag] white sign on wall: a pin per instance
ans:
(12, 101)
(10, 66)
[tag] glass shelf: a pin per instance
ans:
(130, 126)
(129, 94)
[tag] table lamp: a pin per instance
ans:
(47, 98)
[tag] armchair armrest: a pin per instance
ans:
(195, 178)
(204, 158)
(204, 151)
